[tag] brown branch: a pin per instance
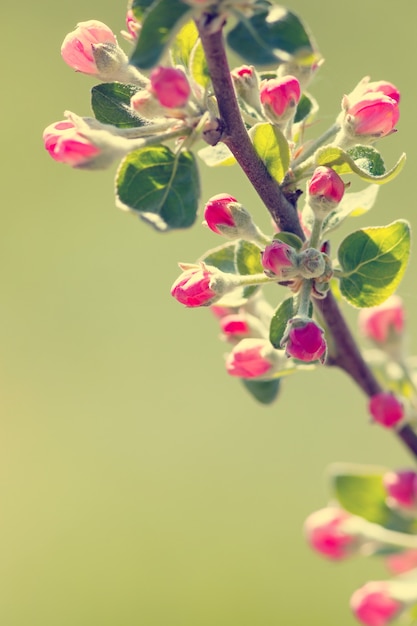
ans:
(346, 354)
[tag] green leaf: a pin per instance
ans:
(111, 105)
(217, 155)
(272, 147)
(183, 44)
(289, 238)
(364, 161)
(304, 108)
(139, 7)
(360, 491)
(160, 22)
(265, 391)
(373, 262)
(272, 36)
(352, 205)
(285, 311)
(162, 187)
(198, 66)
(223, 257)
(248, 261)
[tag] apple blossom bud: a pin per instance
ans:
(202, 285)
(279, 97)
(77, 47)
(327, 532)
(383, 323)
(250, 358)
(386, 409)
(132, 25)
(280, 260)
(145, 105)
(246, 83)
(401, 488)
(66, 145)
(401, 562)
(217, 212)
(382, 86)
(304, 340)
(374, 605)
(312, 263)
(369, 117)
(235, 325)
(170, 86)
(325, 190)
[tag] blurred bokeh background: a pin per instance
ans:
(138, 483)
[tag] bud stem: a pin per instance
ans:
(304, 298)
(306, 159)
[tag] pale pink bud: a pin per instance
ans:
(373, 604)
(401, 562)
(77, 47)
(217, 212)
(373, 114)
(386, 409)
(304, 340)
(279, 259)
(381, 86)
(327, 532)
(170, 86)
(132, 25)
(280, 97)
(195, 287)
(401, 488)
(250, 358)
(221, 311)
(65, 144)
(326, 185)
(384, 321)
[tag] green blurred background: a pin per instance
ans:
(139, 484)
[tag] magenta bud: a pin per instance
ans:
(327, 532)
(217, 212)
(325, 185)
(372, 115)
(280, 97)
(401, 488)
(235, 325)
(386, 409)
(383, 322)
(280, 260)
(170, 86)
(66, 145)
(77, 47)
(250, 358)
(374, 605)
(198, 286)
(304, 340)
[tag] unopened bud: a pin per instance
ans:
(280, 97)
(170, 86)
(325, 191)
(386, 409)
(252, 358)
(401, 488)
(304, 340)
(280, 260)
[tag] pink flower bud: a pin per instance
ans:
(373, 114)
(401, 488)
(381, 86)
(235, 325)
(217, 212)
(327, 532)
(304, 340)
(65, 144)
(77, 47)
(196, 287)
(386, 409)
(250, 358)
(401, 562)
(373, 604)
(280, 97)
(132, 25)
(170, 86)
(384, 321)
(326, 185)
(279, 259)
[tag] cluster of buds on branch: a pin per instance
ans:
(175, 98)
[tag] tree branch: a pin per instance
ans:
(346, 354)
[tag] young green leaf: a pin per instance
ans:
(248, 258)
(216, 155)
(285, 311)
(373, 262)
(223, 257)
(264, 391)
(139, 7)
(183, 44)
(111, 104)
(272, 147)
(272, 36)
(161, 20)
(162, 187)
(289, 238)
(364, 161)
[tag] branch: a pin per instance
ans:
(346, 355)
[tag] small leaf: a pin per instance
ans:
(352, 205)
(183, 44)
(289, 238)
(285, 311)
(265, 391)
(160, 22)
(272, 147)
(162, 187)
(373, 262)
(198, 66)
(364, 161)
(248, 258)
(223, 257)
(360, 491)
(272, 36)
(304, 108)
(111, 105)
(139, 7)
(217, 155)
